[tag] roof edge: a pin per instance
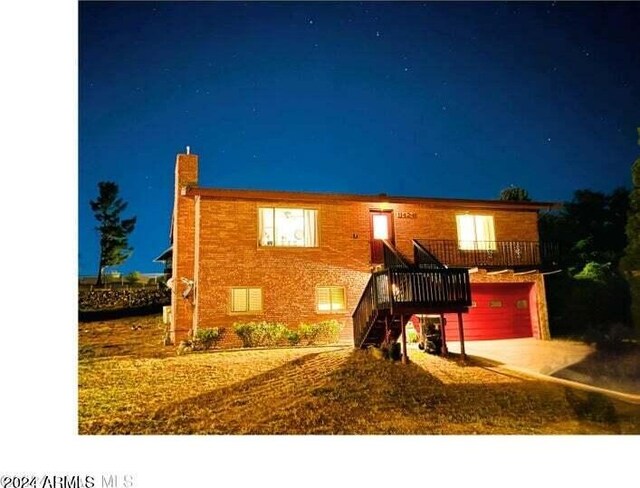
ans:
(228, 194)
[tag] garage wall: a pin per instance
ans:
(530, 286)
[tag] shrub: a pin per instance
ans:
(207, 338)
(588, 303)
(134, 278)
(308, 333)
(255, 334)
(412, 337)
(293, 336)
(325, 332)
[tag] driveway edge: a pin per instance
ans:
(625, 397)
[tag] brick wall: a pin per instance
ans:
(229, 256)
(216, 244)
(183, 228)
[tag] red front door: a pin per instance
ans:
(381, 229)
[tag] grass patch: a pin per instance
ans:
(129, 387)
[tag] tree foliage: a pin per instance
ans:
(590, 295)
(631, 260)
(589, 228)
(630, 263)
(515, 193)
(114, 231)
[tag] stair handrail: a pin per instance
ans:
(423, 258)
(392, 258)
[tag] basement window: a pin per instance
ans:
(330, 299)
(246, 300)
(288, 227)
(476, 232)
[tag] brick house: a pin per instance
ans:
(371, 262)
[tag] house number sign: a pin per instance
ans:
(406, 215)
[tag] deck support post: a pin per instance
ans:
(405, 356)
(443, 321)
(461, 335)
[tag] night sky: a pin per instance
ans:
(418, 99)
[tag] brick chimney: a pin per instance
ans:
(186, 174)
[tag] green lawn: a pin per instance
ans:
(130, 384)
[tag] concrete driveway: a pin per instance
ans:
(544, 357)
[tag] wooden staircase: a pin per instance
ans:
(401, 289)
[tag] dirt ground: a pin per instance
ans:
(129, 383)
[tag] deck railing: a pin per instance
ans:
(446, 288)
(492, 253)
(399, 289)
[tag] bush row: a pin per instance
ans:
(256, 334)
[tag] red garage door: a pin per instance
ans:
(499, 311)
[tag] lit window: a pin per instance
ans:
(495, 303)
(330, 299)
(288, 227)
(522, 304)
(476, 232)
(246, 299)
(380, 226)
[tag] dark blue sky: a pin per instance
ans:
(419, 99)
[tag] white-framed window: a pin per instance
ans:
(330, 299)
(288, 227)
(246, 300)
(476, 232)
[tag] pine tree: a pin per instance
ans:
(114, 232)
